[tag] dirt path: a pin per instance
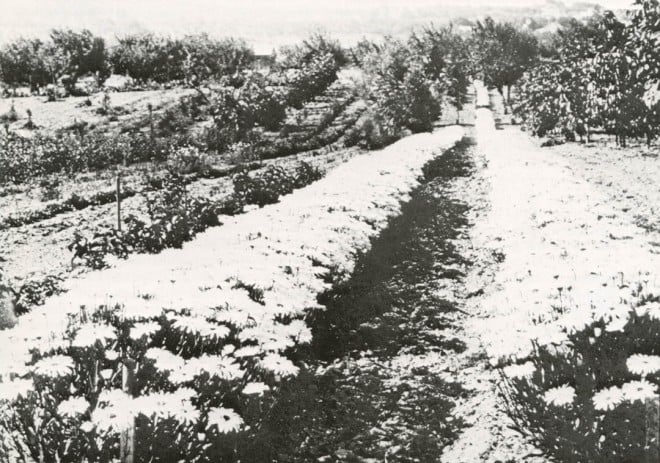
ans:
(542, 236)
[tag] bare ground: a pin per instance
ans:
(50, 116)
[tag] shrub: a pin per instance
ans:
(188, 160)
(174, 218)
(312, 79)
(589, 397)
(238, 111)
(34, 292)
(11, 115)
(50, 189)
(306, 174)
(93, 251)
(266, 187)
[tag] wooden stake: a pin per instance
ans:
(118, 201)
(127, 437)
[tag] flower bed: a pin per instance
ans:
(209, 331)
(591, 394)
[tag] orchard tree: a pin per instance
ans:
(21, 63)
(311, 49)
(503, 53)
(446, 57)
(147, 57)
(618, 66)
(81, 53)
(403, 93)
(207, 58)
(644, 38)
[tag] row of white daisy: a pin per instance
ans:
(284, 250)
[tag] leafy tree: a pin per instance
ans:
(147, 57)
(310, 49)
(21, 63)
(447, 57)
(209, 58)
(503, 53)
(644, 38)
(194, 58)
(597, 78)
(81, 53)
(404, 94)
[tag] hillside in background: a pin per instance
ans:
(268, 25)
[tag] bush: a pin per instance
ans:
(312, 79)
(50, 189)
(266, 187)
(237, 112)
(189, 160)
(174, 218)
(589, 398)
(34, 292)
(263, 188)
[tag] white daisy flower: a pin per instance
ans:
(73, 406)
(279, 365)
(608, 399)
(146, 329)
(164, 359)
(200, 327)
(175, 405)
(247, 351)
(228, 349)
(299, 331)
(616, 324)
(112, 419)
(87, 426)
(214, 365)
(89, 334)
(560, 396)
(115, 411)
(224, 419)
(639, 390)
(255, 388)
(643, 365)
(54, 367)
(652, 309)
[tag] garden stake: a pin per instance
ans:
(118, 201)
(127, 438)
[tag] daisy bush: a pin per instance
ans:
(190, 348)
(593, 396)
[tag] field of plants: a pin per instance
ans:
(437, 247)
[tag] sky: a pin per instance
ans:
(264, 23)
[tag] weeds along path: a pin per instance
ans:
(546, 239)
